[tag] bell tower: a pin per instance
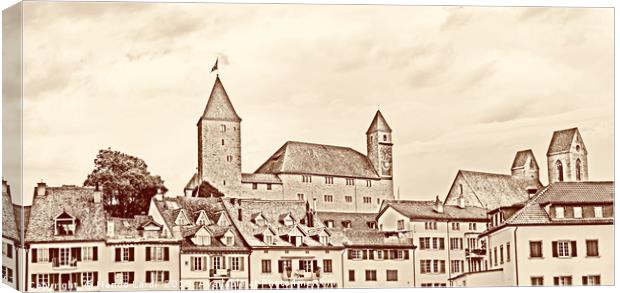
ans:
(219, 143)
(567, 157)
(379, 146)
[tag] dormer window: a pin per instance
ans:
(288, 220)
(559, 212)
(324, 239)
(259, 220)
(346, 224)
(202, 237)
(598, 212)
(268, 239)
(182, 219)
(384, 137)
(203, 219)
(372, 224)
(65, 224)
(223, 220)
(329, 223)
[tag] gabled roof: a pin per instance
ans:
(562, 140)
(318, 159)
(219, 106)
(378, 124)
(359, 221)
(131, 230)
(76, 201)
(496, 190)
(534, 211)
(421, 210)
(521, 159)
(9, 220)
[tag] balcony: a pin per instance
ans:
(219, 273)
(64, 264)
(475, 252)
(300, 275)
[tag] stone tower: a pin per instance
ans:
(525, 165)
(379, 146)
(219, 143)
(567, 157)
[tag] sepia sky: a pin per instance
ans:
(462, 87)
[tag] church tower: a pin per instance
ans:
(219, 143)
(567, 157)
(525, 166)
(379, 146)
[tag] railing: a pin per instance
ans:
(70, 264)
(475, 252)
(219, 273)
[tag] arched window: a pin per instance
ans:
(560, 169)
(461, 189)
(578, 170)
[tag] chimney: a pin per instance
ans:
(5, 186)
(240, 214)
(461, 201)
(159, 195)
(41, 189)
(110, 229)
(314, 205)
(97, 194)
(438, 206)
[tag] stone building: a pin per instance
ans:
(338, 178)
(567, 157)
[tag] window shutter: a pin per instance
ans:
(573, 248)
(147, 276)
(166, 253)
(131, 254)
(442, 266)
(554, 245)
(33, 281)
(204, 263)
(406, 254)
(95, 256)
(280, 266)
(95, 277)
(386, 254)
(131, 277)
(110, 278)
(166, 276)
(441, 244)
(117, 254)
(422, 267)
(350, 254)
(241, 263)
(584, 280)
(148, 253)
(364, 254)
(556, 281)
(75, 279)
(76, 252)
(34, 255)
(371, 254)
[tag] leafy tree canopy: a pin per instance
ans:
(127, 184)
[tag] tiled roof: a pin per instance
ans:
(219, 106)
(22, 213)
(213, 207)
(426, 210)
(260, 178)
(360, 234)
(129, 230)
(193, 182)
(379, 124)
(308, 158)
(563, 192)
(76, 201)
(272, 211)
(561, 140)
(496, 190)
(9, 222)
(359, 221)
(521, 159)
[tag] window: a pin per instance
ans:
(501, 254)
(598, 212)
(425, 243)
(577, 212)
(563, 249)
(223, 128)
(472, 226)
(456, 266)
(222, 141)
(371, 224)
(348, 198)
(229, 158)
(460, 188)
(7, 249)
(508, 252)
(425, 266)
(351, 275)
(42, 280)
(536, 249)
(306, 178)
(329, 180)
(268, 239)
(456, 226)
(391, 275)
(157, 253)
(329, 223)
(591, 280)
(327, 265)
(592, 247)
(305, 265)
(560, 170)
(217, 262)
(355, 254)
(456, 243)
(367, 199)
(371, 275)
(438, 243)
(254, 186)
(350, 181)
(268, 186)
(88, 278)
(42, 254)
(157, 276)
(346, 224)
(430, 225)
(400, 225)
(537, 281)
(124, 254)
(328, 198)
(199, 285)
(563, 281)
(368, 183)
(495, 256)
(266, 265)
(236, 263)
(578, 169)
(197, 263)
(89, 253)
(300, 196)
(559, 212)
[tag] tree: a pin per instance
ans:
(127, 184)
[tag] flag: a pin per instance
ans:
(215, 66)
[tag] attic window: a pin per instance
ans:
(229, 240)
(372, 224)
(577, 148)
(288, 220)
(65, 224)
(346, 224)
(324, 239)
(329, 223)
(384, 137)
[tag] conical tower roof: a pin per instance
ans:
(219, 106)
(379, 124)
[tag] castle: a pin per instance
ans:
(331, 178)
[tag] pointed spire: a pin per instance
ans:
(378, 124)
(219, 106)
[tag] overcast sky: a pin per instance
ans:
(462, 88)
